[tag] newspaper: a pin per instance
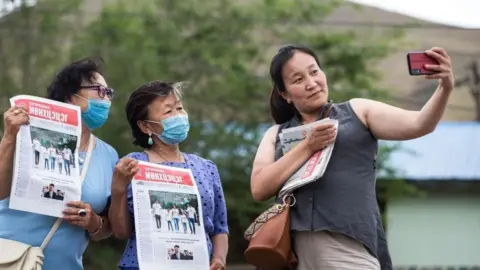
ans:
(314, 168)
(168, 219)
(45, 173)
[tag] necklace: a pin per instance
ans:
(166, 160)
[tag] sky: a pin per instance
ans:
(7, 5)
(458, 13)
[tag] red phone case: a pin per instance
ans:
(417, 61)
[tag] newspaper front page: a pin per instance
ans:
(45, 173)
(168, 219)
(314, 168)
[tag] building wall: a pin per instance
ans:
(438, 230)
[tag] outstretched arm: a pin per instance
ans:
(391, 123)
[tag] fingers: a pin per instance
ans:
(13, 119)
(437, 76)
(17, 108)
(324, 139)
(320, 132)
(127, 166)
(72, 216)
(127, 163)
(17, 111)
(440, 51)
(444, 69)
(132, 164)
(441, 71)
(325, 133)
(216, 265)
(75, 211)
(322, 127)
(134, 171)
(77, 223)
(126, 160)
(436, 68)
(71, 211)
(79, 205)
(332, 140)
(16, 116)
(441, 59)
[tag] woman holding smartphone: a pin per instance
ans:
(335, 221)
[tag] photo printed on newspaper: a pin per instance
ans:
(45, 173)
(168, 219)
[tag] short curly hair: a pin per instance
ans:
(67, 82)
(138, 102)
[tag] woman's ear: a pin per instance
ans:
(285, 96)
(144, 127)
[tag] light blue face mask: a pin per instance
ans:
(175, 129)
(97, 113)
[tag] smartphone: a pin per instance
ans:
(416, 63)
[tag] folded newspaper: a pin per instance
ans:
(315, 167)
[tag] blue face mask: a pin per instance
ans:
(96, 114)
(175, 129)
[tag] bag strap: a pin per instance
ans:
(272, 212)
(57, 223)
(326, 109)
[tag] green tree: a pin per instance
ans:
(223, 48)
(33, 45)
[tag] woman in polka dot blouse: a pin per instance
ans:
(159, 123)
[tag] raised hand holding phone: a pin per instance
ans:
(434, 63)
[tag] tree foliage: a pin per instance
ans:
(222, 48)
(33, 46)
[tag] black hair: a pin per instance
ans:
(280, 109)
(137, 106)
(67, 82)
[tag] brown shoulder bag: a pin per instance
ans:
(270, 246)
(269, 236)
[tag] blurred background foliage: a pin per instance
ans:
(221, 47)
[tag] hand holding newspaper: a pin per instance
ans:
(168, 219)
(45, 172)
(315, 167)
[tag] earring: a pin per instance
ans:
(150, 140)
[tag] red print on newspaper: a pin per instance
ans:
(164, 174)
(311, 163)
(49, 112)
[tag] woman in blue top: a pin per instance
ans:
(159, 123)
(81, 84)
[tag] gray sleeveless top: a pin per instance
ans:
(344, 199)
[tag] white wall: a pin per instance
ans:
(434, 231)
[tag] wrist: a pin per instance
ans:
(445, 87)
(96, 225)
(303, 145)
(219, 259)
(118, 188)
(8, 139)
